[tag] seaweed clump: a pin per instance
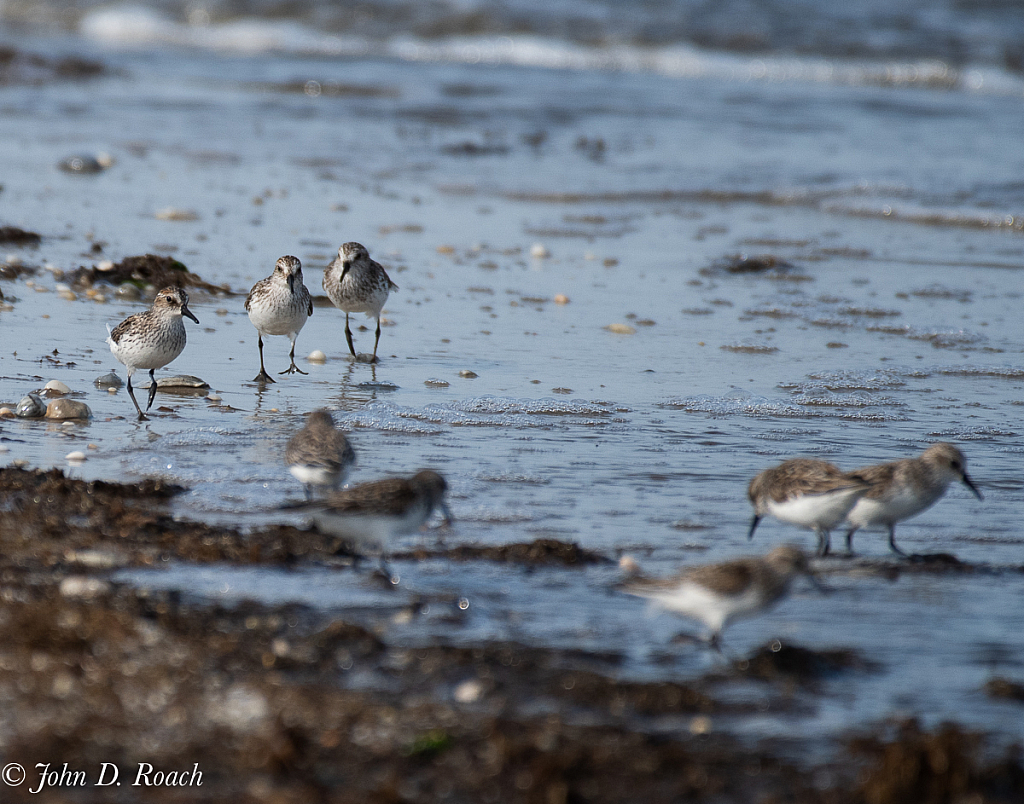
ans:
(143, 271)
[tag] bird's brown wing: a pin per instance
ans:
(389, 496)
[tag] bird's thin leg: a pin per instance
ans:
(823, 542)
(292, 367)
(152, 388)
(892, 542)
(348, 337)
(376, 341)
(142, 416)
(262, 376)
(849, 541)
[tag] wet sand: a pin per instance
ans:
(291, 704)
(686, 319)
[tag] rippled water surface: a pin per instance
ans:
(884, 214)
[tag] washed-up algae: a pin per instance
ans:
(286, 703)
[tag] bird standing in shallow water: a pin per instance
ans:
(807, 492)
(152, 339)
(717, 594)
(356, 284)
(279, 305)
(319, 454)
(376, 513)
(902, 489)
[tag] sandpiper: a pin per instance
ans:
(902, 489)
(356, 284)
(319, 454)
(717, 594)
(376, 513)
(152, 339)
(279, 305)
(807, 492)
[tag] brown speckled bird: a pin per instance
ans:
(356, 284)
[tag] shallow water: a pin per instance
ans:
(895, 325)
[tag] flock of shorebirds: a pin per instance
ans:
(806, 492)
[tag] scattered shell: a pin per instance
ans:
(561, 298)
(469, 375)
(173, 214)
(621, 329)
(469, 691)
(110, 380)
(128, 291)
(56, 387)
(85, 164)
(30, 407)
(539, 250)
(179, 381)
(436, 383)
(83, 587)
(67, 409)
(317, 356)
(96, 559)
(104, 265)
(75, 457)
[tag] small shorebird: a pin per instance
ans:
(319, 454)
(806, 492)
(902, 489)
(376, 513)
(152, 339)
(279, 305)
(356, 284)
(717, 594)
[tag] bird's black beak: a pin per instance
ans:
(970, 484)
(753, 527)
(186, 311)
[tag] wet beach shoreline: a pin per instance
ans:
(623, 292)
(288, 703)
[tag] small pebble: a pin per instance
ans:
(110, 380)
(539, 250)
(30, 407)
(214, 398)
(621, 329)
(103, 265)
(436, 383)
(75, 457)
(317, 356)
(6, 413)
(561, 298)
(67, 409)
(469, 375)
(4, 448)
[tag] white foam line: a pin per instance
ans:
(130, 26)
